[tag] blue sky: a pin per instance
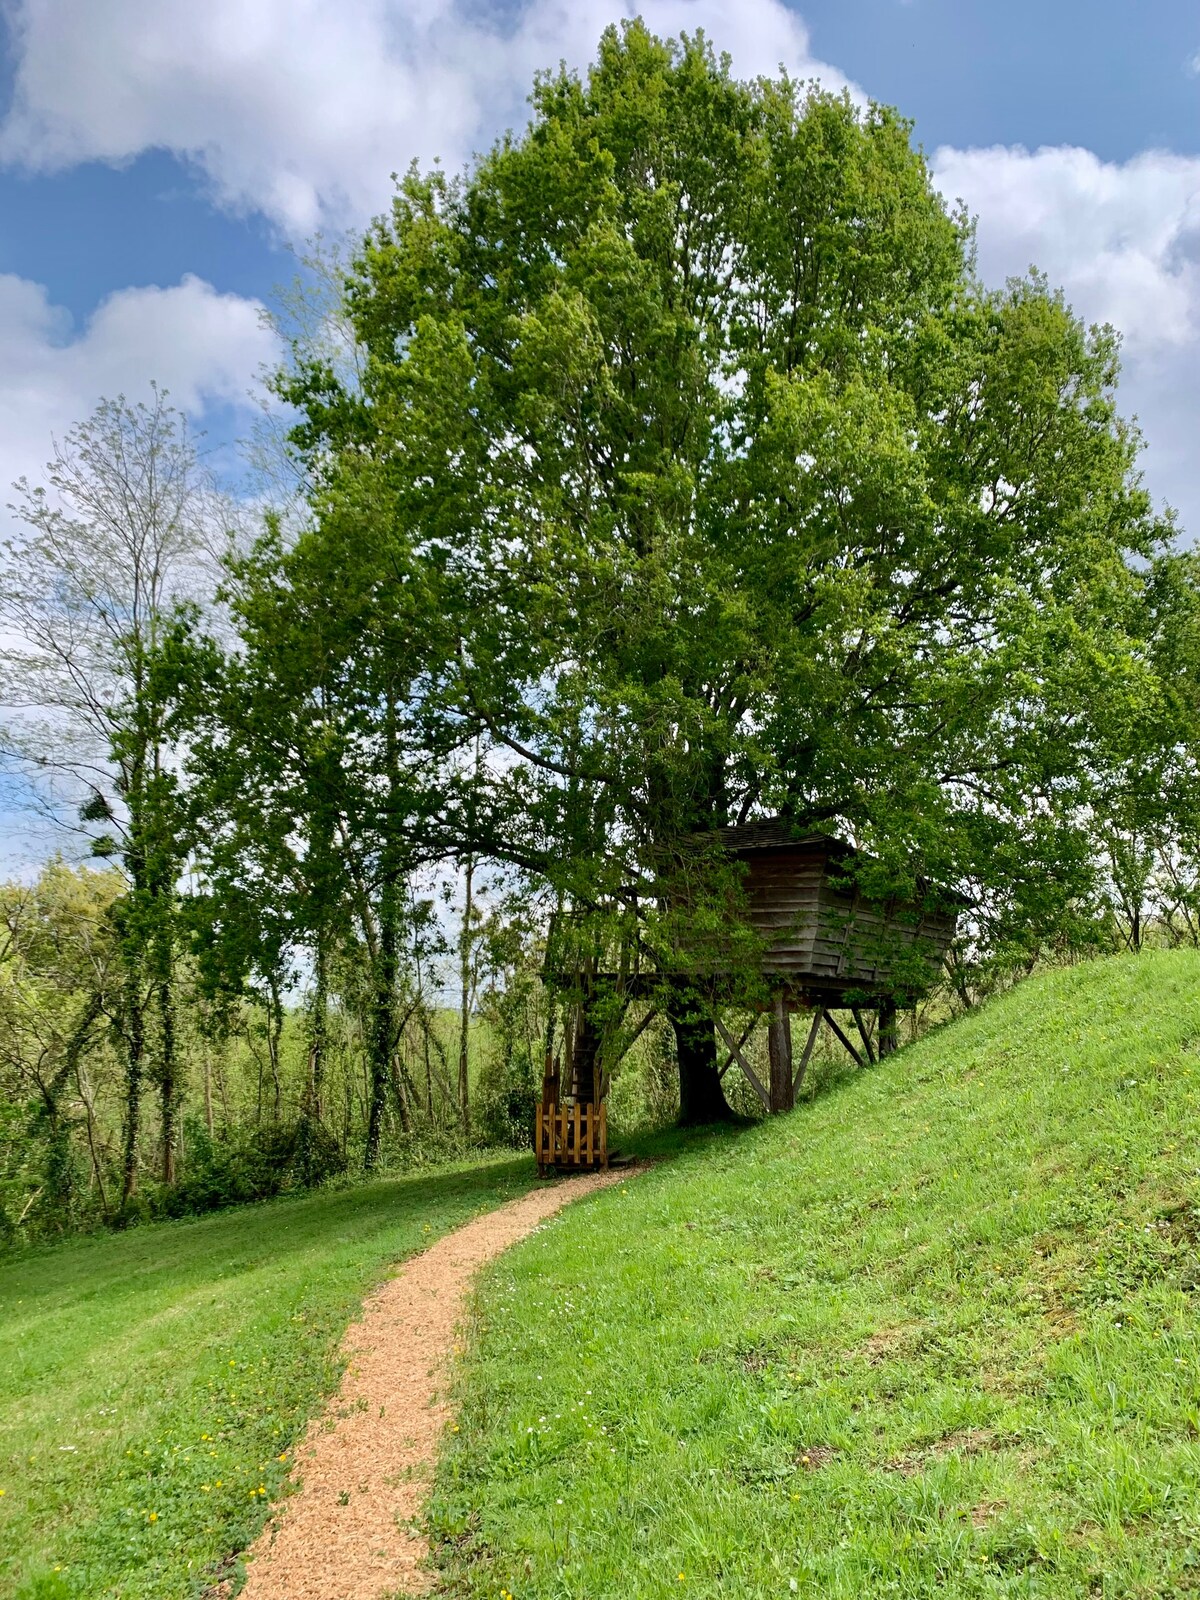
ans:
(156, 156)
(1111, 76)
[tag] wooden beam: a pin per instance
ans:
(843, 1038)
(779, 1039)
(808, 1049)
(864, 1033)
(732, 1054)
(605, 1075)
(736, 1054)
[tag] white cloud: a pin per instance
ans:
(302, 108)
(205, 348)
(1123, 241)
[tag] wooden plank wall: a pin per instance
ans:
(783, 890)
(813, 928)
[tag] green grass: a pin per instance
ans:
(151, 1383)
(935, 1334)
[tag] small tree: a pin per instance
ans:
(116, 539)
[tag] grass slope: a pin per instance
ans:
(152, 1383)
(934, 1334)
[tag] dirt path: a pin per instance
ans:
(363, 1466)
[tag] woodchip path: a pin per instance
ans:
(362, 1470)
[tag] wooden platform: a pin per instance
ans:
(571, 1137)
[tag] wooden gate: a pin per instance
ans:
(571, 1136)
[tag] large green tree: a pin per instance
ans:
(735, 490)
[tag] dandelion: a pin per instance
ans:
(152, 1516)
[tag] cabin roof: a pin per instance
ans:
(777, 833)
(774, 833)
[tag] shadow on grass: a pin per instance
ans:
(242, 1237)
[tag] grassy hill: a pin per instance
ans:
(151, 1382)
(935, 1334)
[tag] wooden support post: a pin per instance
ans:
(731, 1054)
(808, 1050)
(779, 1044)
(864, 1033)
(888, 1034)
(737, 1055)
(829, 1019)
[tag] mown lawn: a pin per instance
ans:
(152, 1383)
(935, 1334)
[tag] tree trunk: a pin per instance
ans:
(701, 1097)
(89, 1106)
(135, 1060)
(168, 1087)
(464, 1031)
(428, 1069)
(208, 1100)
(779, 1042)
(318, 1037)
(888, 1032)
(382, 1025)
(274, 1050)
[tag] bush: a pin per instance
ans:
(509, 1087)
(254, 1166)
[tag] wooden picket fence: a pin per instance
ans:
(571, 1136)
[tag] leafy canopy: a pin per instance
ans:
(729, 487)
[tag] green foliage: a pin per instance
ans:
(723, 486)
(934, 1334)
(58, 995)
(669, 467)
(140, 1464)
(261, 1163)
(515, 1013)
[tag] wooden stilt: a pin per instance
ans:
(864, 1033)
(731, 1055)
(889, 1040)
(829, 1019)
(737, 1055)
(779, 1043)
(806, 1053)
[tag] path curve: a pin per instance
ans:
(363, 1467)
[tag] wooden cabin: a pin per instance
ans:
(824, 947)
(827, 947)
(824, 940)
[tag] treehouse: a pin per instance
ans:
(818, 945)
(824, 942)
